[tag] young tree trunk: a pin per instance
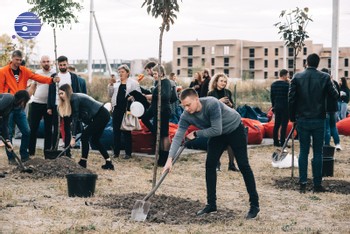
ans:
(58, 116)
(159, 104)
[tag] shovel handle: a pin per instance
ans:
(19, 162)
(165, 173)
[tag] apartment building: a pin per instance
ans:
(248, 59)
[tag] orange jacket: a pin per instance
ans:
(8, 82)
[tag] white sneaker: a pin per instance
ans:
(338, 147)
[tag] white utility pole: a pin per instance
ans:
(335, 46)
(90, 41)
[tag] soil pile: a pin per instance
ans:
(166, 209)
(332, 186)
(58, 167)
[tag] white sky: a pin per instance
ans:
(129, 32)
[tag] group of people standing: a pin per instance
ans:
(314, 102)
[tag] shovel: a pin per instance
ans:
(141, 207)
(17, 159)
(280, 154)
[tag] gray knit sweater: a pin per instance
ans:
(214, 119)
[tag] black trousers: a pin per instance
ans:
(281, 120)
(37, 112)
(93, 132)
(216, 146)
(117, 121)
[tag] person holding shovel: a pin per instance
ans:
(82, 107)
(223, 126)
(8, 102)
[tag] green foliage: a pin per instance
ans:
(56, 13)
(164, 8)
(293, 27)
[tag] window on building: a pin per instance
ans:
(290, 52)
(329, 63)
(266, 51)
(178, 51)
(213, 61)
(251, 74)
(304, 51)
(290, 63)
(178, 62)
(276, 63)
(189, 62)
(178, 72)
(251, 64)
(291, 73)
(212, 72)
(346, 62)
(227, 72)
(304, 62)
(346, 73)
(266, 63)
(189, 73)
(266, 75)
(226, 50)
(203, 62)
(276, 51)
(252, 52)
(276, 74)
(226, 62)
(203, 50)
(189, 51)
(212, 50)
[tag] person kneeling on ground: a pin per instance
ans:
(92, 113)
(223, 126)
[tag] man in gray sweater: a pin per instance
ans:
(223, 126)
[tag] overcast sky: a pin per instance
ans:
(129, 32)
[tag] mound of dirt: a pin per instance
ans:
(332, 186)
(165, 209)
(58, 167)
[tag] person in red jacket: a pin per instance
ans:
(14, 77)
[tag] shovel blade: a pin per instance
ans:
(140, 210)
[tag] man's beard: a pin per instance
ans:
(63, 70)
(46, 67)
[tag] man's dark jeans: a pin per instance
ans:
(331, 129)
(281, 120)
(307, 129)
(216, 146)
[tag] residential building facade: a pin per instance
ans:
(248, 59)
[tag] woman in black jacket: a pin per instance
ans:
(344, 98)
(92, 113)
(217, 89)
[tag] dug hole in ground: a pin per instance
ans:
(38, 202)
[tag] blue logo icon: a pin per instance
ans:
(27, 25)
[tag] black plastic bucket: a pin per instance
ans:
(81, 185)
(328, 166)
(328, 151)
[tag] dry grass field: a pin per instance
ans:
(41, 205)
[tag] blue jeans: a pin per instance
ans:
(19, 117)
(331, 129)
(342, 107)
(308, 128)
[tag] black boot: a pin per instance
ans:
(163, 157)
(82, 163)
(108, 166)
(232, 167)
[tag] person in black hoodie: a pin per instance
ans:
(81, 107)
(279, 100)
(344, 98)
(205, 84)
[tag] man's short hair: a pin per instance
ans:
(283, 72)
(150, 65)
(17, 53)
(125, 67)
(313, 60)
(326, 70)
(187, 93)
(62, 58)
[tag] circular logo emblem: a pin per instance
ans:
(27, 25)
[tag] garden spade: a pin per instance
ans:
(17, 159)
(280, 154)
(142, 207)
